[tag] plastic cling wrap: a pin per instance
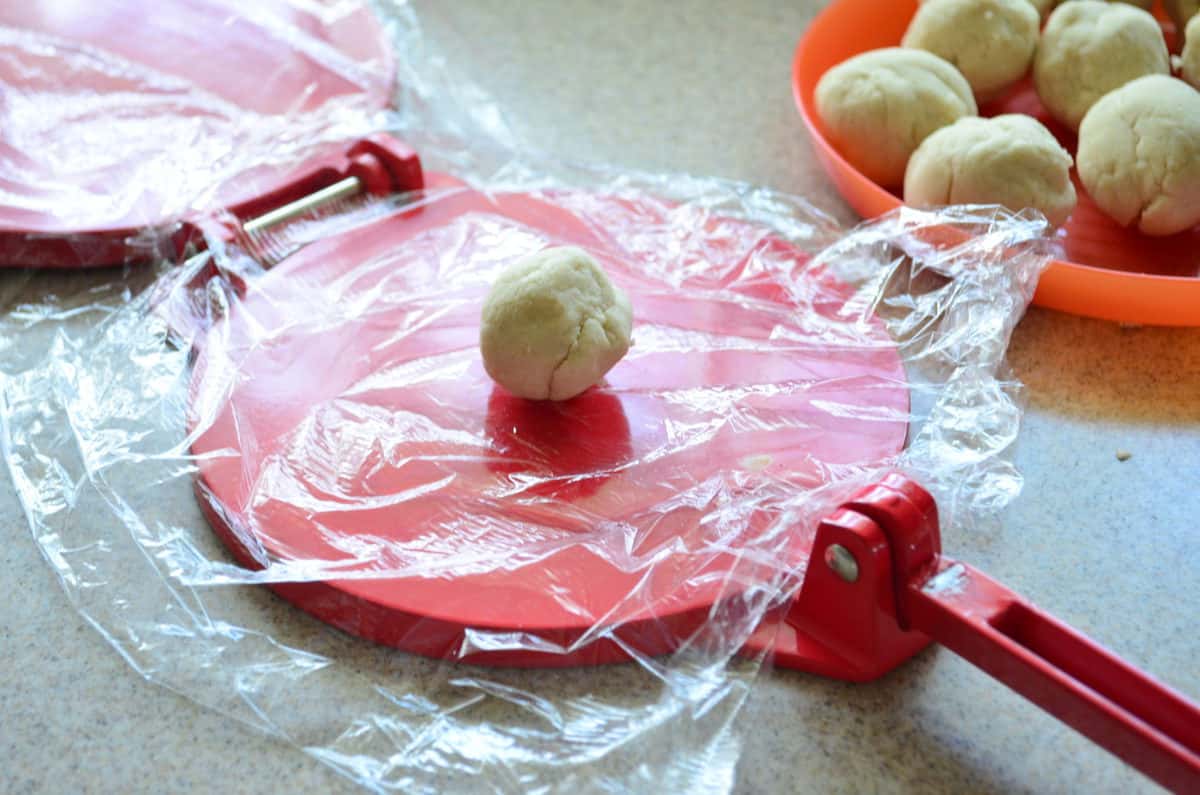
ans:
(119, 118)
(513, 597)
(324, 428)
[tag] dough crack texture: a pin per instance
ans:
(991, 42)
(877, 107)
(567, 355)
(553, 325)
(1139, 155)
(1090, 48)
(1010, 160)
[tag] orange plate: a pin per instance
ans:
(1112, 272)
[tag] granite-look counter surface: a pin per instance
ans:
(702, 86)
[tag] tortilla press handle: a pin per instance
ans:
(878, 590)
(377, 165)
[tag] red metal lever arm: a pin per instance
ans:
(879, 590)
(1151, 727)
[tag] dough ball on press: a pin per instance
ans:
(877, 107)
(1012, 160)
(1139, 155)
(991, 42)
(553, 325)
(1189, 60)
(1090, 48)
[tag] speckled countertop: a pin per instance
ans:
(1111, 547)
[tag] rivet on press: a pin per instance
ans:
(840, 559)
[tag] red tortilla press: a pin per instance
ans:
(347, 381)
(509, 533)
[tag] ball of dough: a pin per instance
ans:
(990, 41)
(1090, 48)
(1182, 11)
(877, 107)
(1139, 155)
(1012, 160)
(553, 325)
(1189, 59)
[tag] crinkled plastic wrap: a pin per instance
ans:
(335, 427)
(120, 118)
(125, 122)
(512, 596)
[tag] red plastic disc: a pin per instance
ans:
(118, 115)
(348, 436)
